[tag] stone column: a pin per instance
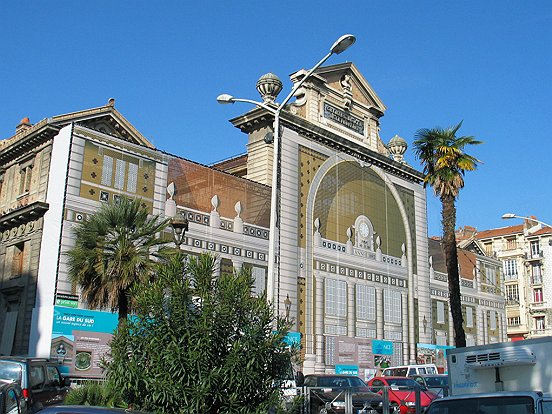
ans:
(404, 306)
(351, 317)
(484, 331)
(379, 313)
(450, 339)
(319, 324)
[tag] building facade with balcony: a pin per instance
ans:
(525, 251)
(481, 288)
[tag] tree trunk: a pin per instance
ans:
(122, 304)
(451, 256)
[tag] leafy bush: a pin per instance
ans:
(200, 344)
(94, 393)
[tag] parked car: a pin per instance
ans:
(328, 394)
(436, 383)
(11, 398)
(40, 380)
(402, 392)
(409, 370)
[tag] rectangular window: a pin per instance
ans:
(511, 244)
(440, 312)
(392, 306)
(489, 275)
(510, 269)
(440, 338)
(536, 274)
(535, 249)
(120, 166)
(539, 323)
(470, 340)
(17, 259)
(366, 302)
(335, 297)
(259, 276)
(514, 321)
(512, 293)
(537, 295)
(469, 317)
(26, 173)
(492, 320)
(107, 170)
(132, 177)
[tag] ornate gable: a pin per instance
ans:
(339, 98)
(107, 120)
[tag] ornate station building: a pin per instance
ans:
(353, 269)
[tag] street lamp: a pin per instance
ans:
(339, 46)
(512, 215)
(179, 226)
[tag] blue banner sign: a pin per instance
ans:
(380, 347)
(346, 369)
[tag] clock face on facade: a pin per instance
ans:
(364, 230)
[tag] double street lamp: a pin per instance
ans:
(339, 46)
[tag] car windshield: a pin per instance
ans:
(401, 382)
(10, 371)
(436, 381)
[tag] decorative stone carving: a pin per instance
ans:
(347, 91)
(317, 235)
(397, 147)
(269, 86)
(215, 216)
(170, 204)
(238, 221)
(215, 202)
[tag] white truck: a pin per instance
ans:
(502, 378)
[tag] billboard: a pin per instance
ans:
(80, 339)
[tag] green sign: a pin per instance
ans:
(69, 303)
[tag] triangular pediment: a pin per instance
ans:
(338, 98)
(473, 246)
(105, 119)
(338, 77)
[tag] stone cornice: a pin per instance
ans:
(259, 117)
(22, 215)
(25, 143)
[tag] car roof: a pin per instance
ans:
(387, 377)
(23, 359)
(430, 375)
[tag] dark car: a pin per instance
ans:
(402, 393)
(40, 380)
(327, 394)
(11, 398)
(436, 383)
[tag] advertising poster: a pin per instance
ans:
(358, 356)
(433, 354)
(80, 339)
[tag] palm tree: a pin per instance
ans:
(445, 163)
(113, 252)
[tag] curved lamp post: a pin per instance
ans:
(512, 215)
(339, 46)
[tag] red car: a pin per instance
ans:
(402, 393)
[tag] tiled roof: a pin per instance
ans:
(502, 231)
(541, 232)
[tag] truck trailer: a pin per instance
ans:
(501, 378)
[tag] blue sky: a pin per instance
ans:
(433, 63)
